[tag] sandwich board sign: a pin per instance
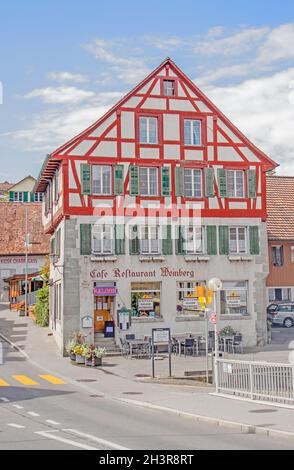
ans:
(161, 336)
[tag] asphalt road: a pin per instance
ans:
(36, 413)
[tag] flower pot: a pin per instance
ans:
(97, 361)
(80, 359)
(72, 356)
(21, 313)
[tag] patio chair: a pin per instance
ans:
(125, 349)
(189, 346)
(237, 343)
(175, 346)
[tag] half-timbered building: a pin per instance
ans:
(159, 195)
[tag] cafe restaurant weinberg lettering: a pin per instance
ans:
(161, 194)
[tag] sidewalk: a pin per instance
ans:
(118, 379)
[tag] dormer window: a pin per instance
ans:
(169, 87)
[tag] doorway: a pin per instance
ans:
(103, 310)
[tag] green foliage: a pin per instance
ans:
(42, 307)
(227, 331)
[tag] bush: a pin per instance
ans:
(42, 307)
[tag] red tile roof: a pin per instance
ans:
(12, 233)
(280, 207)
(5, 186)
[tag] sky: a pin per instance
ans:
(64, 63)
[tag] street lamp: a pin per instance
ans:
(215, 285)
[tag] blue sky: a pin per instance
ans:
(64, 63)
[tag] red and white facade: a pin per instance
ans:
(211, 172)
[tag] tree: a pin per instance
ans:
(42, 304)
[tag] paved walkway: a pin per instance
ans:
(118, 379)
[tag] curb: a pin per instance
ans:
(243, 427)
(14, 346)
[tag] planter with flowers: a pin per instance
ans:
(79, 351)
(227, 331)
(93, 355)
(70, 346)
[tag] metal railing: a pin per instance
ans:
(256, 380)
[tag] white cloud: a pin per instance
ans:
(165, 43)
(67, 76)
(60, 95)
(278, 44)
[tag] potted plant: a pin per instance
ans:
(79, 351)
(93, 355)
(21, 308)
(70, 346)
(227, 331)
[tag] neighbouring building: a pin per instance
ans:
(164, 153)
(22, 191)
(12, 243)
(280, 206)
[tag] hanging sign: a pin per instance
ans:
(105, 290)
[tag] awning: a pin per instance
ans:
(37, 278)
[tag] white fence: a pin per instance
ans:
(256, 380)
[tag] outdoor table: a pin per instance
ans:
(181, 339)
(225, 340)
(136, 343)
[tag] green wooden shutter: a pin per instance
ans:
(209, 182)
(86, 178)
(167, 242)
(251, 183)
(222, 182)
(134, 246)
(165, 181)
(134, 180)
(25, 196)
(11, 196)
(179, 181)
(254, 240)
(32, 197)
(86, 239)
(120, 239)
(118, 179)
(211, 240)
(223, 240)
(179, 241)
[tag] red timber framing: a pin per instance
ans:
(217, 135)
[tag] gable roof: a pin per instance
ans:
(12, 234)
(5, 186)
(52, 161)
(280, 207)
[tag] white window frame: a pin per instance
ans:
(103, 191)
(148, 119)
(279, 258)
(226, 288)
(191, 143)
(292, 253)
(238, 251)
(100, 229)
(194, 241)
(194, 172)
(148, 240)
(234, 193)
(169, 88)
(148, 183)
(16, 196)
(38, 197)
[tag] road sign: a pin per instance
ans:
(212, 318)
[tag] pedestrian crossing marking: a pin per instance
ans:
(3, 383)
(52, 379)
(23, 379)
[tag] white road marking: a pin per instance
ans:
(4, 399)
(19, 407)
(108, 444)
(49, 435)
(50, 421)
(13, 425)
(32, 413)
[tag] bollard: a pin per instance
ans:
(1, 353)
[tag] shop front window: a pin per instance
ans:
(145, 297)
(187, 303)
(234, 298)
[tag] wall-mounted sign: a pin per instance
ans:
(145, 304)
(190, 302)
(87, 321)
(105, 291)
(124, 316)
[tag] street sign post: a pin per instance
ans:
(161, 336)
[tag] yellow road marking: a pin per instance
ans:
(52, 379)
(3, 383)
(23, 379)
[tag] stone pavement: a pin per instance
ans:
(118, 379)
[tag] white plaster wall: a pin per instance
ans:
(101, 128)
(105, 149)
(149, 152)
(171, 151)
(171, 127)
(127, 125)
(228, 154)
(181, 105)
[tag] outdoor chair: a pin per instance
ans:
(125, 349)
(237, 343)
(189, 346)
(175, 346)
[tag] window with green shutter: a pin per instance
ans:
(11, 196)
(134, 180)
(224, 248)
(86, 178)
(25, 196)
(209, 182)
(32, 197)
(254, 240)
(179, 181)
(222, 182)
(119, 239)
(179, 241)
(118, 179)
(251, 184)
(211, 240)
(86, 239)
(134, 246)
(165, 181)
(167, 241)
